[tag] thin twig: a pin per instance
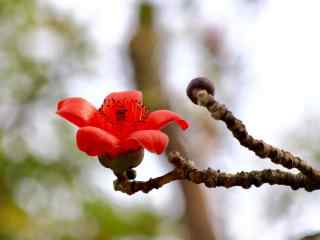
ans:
(184, 170)
(259, 147)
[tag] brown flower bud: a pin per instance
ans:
(200, 83)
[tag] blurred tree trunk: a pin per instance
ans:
(144, 54)
(315, 236)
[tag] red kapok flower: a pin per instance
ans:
(122, 124)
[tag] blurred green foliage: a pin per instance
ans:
(40, 48)
(125, 223)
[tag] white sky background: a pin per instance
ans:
(280, 43)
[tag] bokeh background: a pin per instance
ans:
(263, 58)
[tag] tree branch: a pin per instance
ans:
(184, 170)
(201, 92)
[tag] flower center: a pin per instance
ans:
(121, 114)
(125, 115)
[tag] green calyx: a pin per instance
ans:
(123, 163)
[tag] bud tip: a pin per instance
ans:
(199, 83)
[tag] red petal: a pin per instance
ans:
(76, 110)
(161, 118)
(152, 140)
(125, 95)
(95, 141)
